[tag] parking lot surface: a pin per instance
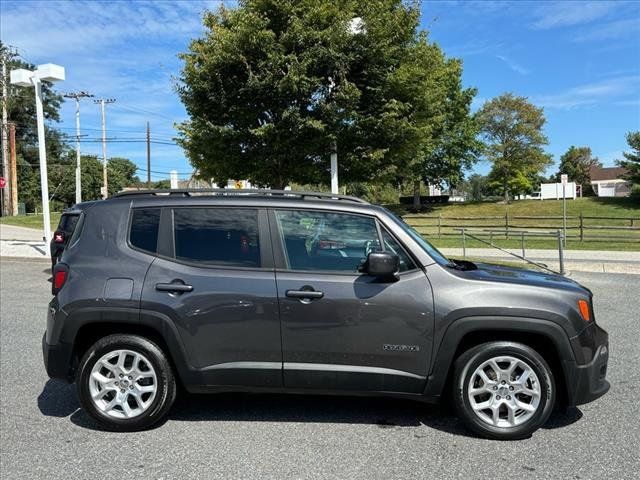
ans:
(44, 434)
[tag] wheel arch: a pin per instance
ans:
(151, 326)
(546, 337)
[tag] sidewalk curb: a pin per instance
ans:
(14, 258)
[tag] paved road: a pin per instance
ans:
(45, 435)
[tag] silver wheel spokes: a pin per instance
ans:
(504, 391)
(123, 384)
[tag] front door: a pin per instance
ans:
(341, 329)
(215, 280)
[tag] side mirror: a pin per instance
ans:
(383, 265)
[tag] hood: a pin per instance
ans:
(521, 276)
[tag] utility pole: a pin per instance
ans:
(102, 102)
(5, 163)
(14, 174)
(77, 96)
(148, 156)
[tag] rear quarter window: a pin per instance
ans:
(143, 233)
(77, 230)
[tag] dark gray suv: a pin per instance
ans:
(278, 291)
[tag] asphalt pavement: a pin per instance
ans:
(44, 434)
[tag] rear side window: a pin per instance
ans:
(144, 229)
(68, 223)
(216, 236)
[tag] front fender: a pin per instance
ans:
(457, 330)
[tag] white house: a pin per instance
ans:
(609, 182)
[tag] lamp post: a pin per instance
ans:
(27, 78)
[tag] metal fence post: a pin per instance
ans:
(561, 252)
(506, 226)
(581, 227)
(439, 223)
(464, 245)
(522, 243)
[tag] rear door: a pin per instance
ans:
(342, 329)
(215, 279)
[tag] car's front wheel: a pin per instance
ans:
(125, 382)
(503, 390)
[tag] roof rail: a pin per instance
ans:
(223, 192)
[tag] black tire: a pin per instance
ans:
(166, 384)
(465, 366)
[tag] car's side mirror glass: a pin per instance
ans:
(383, 265)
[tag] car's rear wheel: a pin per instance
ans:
(126, 383)
(503, 390)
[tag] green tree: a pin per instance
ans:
(577, 163)
(477, 187)
(120, 171)
(632, 162)
(512, 129)
(435, 133)
(273, 86)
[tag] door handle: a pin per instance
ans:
(304, 294)
(173, 287)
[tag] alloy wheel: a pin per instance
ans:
(504, 391)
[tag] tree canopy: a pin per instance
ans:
(272, 85)
(513, 130)
(577, 163)
(632, 158)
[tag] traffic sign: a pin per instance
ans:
(564, 179)
(3, 182)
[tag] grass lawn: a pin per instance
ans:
(30, 221)
(597, 232)
(589, 206)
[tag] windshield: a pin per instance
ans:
(426, 246)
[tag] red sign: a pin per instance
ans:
(3, 182)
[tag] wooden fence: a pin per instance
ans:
(581, 228)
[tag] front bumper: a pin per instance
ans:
(586, 383)
(57, 359)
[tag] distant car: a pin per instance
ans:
(65, 229)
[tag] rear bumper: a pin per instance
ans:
(586, 383)
(57, 359)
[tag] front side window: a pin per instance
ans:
(326, 241)
(391, 245)
(144, 229)
(217, 236)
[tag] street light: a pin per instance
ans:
(27, 78)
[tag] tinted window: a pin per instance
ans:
(391, 245)
(77, 231)
(326, 241)
(144, 229)
(227, 237)
(68, 223)
(420, 240)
